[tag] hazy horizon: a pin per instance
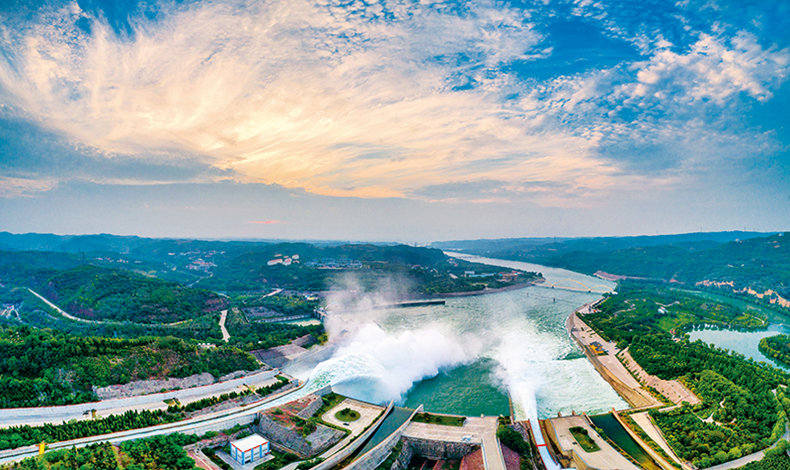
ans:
(749, 234)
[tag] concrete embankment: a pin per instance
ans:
(199, 425)
(612, 370)
(657, 458)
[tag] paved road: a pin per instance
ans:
(367, 416)
(643, 420)
(587, 335)
(619, 377)
(59, 414)
(60, 310)
(213, 421)
(605, 459)
(739, 462)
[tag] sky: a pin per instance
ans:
(409, 121)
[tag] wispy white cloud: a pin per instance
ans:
(267, 222)
(367, 98)
(24, 187)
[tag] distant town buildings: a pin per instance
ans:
(200, 265)
(472, 274)
(512, 276)
(284, 260)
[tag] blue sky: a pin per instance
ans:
(394, 120)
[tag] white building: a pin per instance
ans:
(249, 449)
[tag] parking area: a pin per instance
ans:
(367, 415)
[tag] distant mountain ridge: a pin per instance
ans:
(693, 240)
(752, 264)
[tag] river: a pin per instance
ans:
(467, 356)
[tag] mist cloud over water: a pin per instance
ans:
(377, 366)
(381, 354)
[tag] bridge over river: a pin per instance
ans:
(578, 286)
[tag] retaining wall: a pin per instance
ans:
(309, 410)
(289, 439)
(566, 455)
(375, 456)
(439, 450)
(403, 460)
(346, 452)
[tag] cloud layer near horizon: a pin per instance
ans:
(561, 104)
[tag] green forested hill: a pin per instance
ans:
(114, 294)
(406, 269)
(44, 367)
(758, 263)
(102, 293)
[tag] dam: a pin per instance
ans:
(470, 355)
(498, 354)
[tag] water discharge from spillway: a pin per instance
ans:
(383, 354)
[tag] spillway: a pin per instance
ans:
(548, 461)
(514, 343)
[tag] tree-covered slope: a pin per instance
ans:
(114, 294)
(41, 367)
(758, 263)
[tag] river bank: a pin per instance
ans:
(606, 362)
(631, 382)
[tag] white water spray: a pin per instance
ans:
(376, 366)
(523, 331)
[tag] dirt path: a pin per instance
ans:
(60, 310)
(222, 318)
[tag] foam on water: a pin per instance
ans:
(377, 366)
(523, 331)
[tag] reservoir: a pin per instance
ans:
(743, 342)
(467, 356)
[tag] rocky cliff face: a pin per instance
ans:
(287, 439)
(434, 450)
(438, 450)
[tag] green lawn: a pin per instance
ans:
(439, 419)
(347, 415)
(584, 439)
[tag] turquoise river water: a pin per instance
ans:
(743, 342)
(467, 356)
